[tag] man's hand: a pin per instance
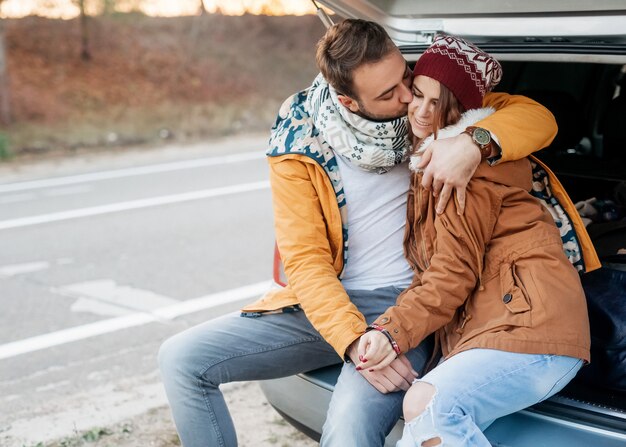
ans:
(449, 164)
(398, 375)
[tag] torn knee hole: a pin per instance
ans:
(418, 399)
(432, 442)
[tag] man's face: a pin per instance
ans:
(383, 89)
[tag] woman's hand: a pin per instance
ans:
(375, 352)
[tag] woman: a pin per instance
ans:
(494, 284)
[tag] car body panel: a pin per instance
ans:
(537, 426)
(410, 22)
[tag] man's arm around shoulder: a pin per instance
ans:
(520, 125)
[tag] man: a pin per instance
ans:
(338, 172)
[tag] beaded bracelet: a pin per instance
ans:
(386, 333)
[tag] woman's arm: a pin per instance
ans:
(454, 269)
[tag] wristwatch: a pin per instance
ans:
(481, 138)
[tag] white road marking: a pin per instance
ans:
(105, 297)
(73, 334)
(56, 192)
(110, 325)
(213, 300)
(15, 198)
(131, 205)
(30, 267)
(19, 269)
(86, 305)
(129, 172)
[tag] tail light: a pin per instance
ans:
(279, 273)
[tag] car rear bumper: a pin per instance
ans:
(558, 422)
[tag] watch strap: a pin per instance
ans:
(485, 149)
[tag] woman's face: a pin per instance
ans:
(422, 108)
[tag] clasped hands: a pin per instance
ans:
(378, 363)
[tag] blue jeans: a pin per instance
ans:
(359, 415)
(476, 387)
(232, 348)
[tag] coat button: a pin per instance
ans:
(507, 298)
(395, 331)
(384, 320)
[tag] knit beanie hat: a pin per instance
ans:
(462, 67)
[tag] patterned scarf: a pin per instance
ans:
(370, 145)
(296, 132)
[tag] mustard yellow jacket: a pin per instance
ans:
(309, 229)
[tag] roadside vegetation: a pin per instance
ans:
(122, 434)
(258, 425)
(149, 80)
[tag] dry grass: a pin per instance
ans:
(124, 126)
(182, 78)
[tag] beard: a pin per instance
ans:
(370, 116)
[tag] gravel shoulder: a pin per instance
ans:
(256, 422)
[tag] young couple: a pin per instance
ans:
(485, 283)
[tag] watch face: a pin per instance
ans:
(482, 136)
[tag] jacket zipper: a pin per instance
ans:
(445, 330)
(425, 262)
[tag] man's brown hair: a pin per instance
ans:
(348, 45)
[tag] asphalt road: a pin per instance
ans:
(102, 257)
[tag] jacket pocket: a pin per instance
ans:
(514, 295)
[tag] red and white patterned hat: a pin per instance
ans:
(465, 69)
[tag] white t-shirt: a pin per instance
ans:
(376, 205)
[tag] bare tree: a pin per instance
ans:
(5, 88)
(85, 52)
(202, 8)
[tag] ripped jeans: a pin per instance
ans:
(197, 361)
(474, 388)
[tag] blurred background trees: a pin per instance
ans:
(85, 54)
(113, 76)
(5, 92)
